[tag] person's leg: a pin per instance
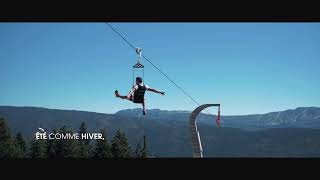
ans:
(122, 97)
(130, 94)
(144, 108)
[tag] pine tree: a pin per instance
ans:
(120, 147)
(38, 148)
(85, 147)
(21, 146)
(103, 148)
(52, 145)
(4, 130)
(66, 148)
(7, 147)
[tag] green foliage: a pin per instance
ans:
(16, 147)
(52, 146)
(21, 143)
(119, 145)
(7, 149)
(7, 143)
(67, 148)
(103, 147)
(20, 146)
(84, 145)
(4, 130)
(38, 148)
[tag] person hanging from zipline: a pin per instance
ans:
(136, 95)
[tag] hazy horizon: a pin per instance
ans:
(213, 112)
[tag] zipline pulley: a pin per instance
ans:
(138, 68)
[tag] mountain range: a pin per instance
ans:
(290, 133)
(302, 117)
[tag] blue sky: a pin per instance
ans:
(247, 67)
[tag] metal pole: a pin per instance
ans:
(195, 135)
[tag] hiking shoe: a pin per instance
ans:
(116, 93)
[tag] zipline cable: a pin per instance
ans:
(133, 47)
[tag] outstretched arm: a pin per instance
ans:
(156, 91)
